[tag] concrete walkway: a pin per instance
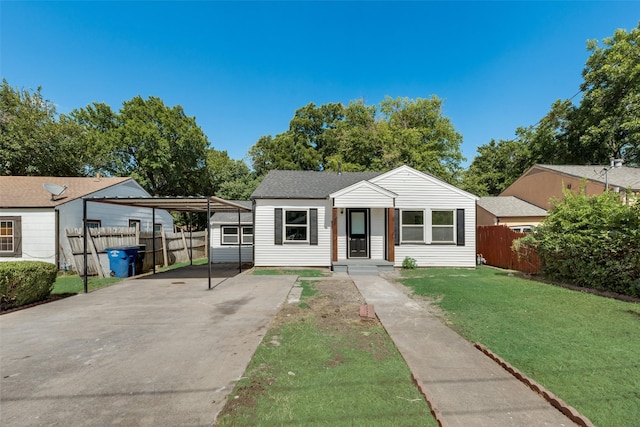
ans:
(467, 387)
(156, 351)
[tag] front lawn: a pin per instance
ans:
(320, 365)
(583, 348)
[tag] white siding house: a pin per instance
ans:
(33, 222)
(331, 219)
(232, 236)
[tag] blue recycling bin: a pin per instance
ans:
(122, 260)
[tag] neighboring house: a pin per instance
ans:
(33, 220)
(541, 183)
(329, 219)
(509, 211)
(232, 235)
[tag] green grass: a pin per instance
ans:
(303, 272)
(200, 261)
(74, 284)
(315, 378)
(308, 290)
(584, 348)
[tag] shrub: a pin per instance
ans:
(24, 282)
(591, 241)
(409, 263)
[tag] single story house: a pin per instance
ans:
(542, 183)
(331, 219)
(509, 211)
(232, 235)
(35, 212)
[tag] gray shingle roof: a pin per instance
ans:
(623, 177)
(306, 184)
(503, 206)
(226, 217)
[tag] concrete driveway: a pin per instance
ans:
(156, 351)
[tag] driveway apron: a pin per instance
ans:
(467, 387)
(157, 351)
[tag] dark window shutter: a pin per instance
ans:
(278, 226)
(17, 244)
(396, 226)
(313, 226)
(460, 227)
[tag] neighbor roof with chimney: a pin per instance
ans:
(29, 191)
(620, 176)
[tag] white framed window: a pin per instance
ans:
(296, 225)
(10, 236)
(247, 235)
(134, 223)
(412, 227)
(443, 226)
(7, 236)
(229, 235)
(94, 223)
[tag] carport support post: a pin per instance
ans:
(191, 238)
(208, 244)
(84, 241)
(239, 243)
(153, 237)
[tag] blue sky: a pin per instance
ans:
(243, 68)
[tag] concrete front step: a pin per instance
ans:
(362, 266)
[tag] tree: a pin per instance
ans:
(497, 166)
(361, 137)
(611, 100)
(34, 139)
(161, 147)
(229, 179)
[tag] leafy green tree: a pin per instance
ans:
(422, 137)
(611, 100)
(361, 137)
(160, 146)
(497, 166)
(34, 139)
(229, 179)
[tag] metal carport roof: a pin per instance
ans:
(181, 204)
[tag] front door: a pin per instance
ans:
(357, 238)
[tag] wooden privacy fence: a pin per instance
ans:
(494, 244)
(170, 247)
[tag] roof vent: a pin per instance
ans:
(616, 163)
(54, 189)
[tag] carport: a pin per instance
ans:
(180, 204)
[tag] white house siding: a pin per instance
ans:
(420, 192)
(38, 234)
(110, 215)
(268, 254)
(363, 197)
(227, 253)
